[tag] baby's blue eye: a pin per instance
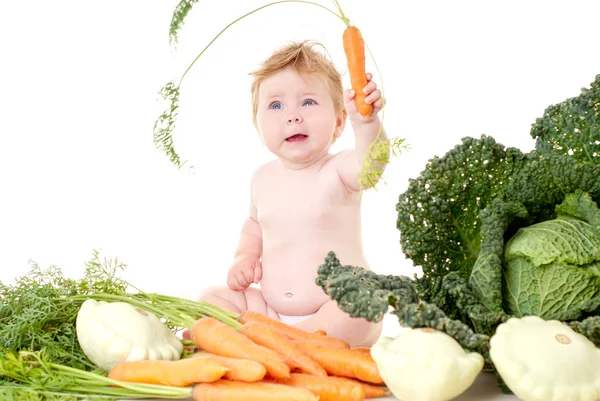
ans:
(275, 105)
(308, 102)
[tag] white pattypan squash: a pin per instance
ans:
(545, 360)
(113, 332)
(425, 365)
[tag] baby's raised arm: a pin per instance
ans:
(367, 129)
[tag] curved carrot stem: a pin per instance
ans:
(244, 16)
(344, 18)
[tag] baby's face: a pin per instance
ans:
(296, 117)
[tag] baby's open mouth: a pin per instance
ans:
(297, 138)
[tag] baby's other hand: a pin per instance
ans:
(246, 269)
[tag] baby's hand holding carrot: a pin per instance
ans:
(373, 97)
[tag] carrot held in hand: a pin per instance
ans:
(354, 47)
(179, 373)
(343, 362)
(292, 332)
(225, 390)
(275, 340)
(218, 338)
(327, 388)
(244, 370)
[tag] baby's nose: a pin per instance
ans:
(294, 118)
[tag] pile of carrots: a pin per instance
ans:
(264, 360)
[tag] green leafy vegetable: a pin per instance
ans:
(498, 233)
(40, 355)
(572, 127)
(35, 315)
(552, 268)
(33, 377)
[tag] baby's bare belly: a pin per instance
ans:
(290, 269)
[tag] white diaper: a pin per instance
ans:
(291, 320)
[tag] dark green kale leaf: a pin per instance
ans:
(365, 294)
(362, 293)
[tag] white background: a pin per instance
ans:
(78, 92)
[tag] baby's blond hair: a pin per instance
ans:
(304, 59)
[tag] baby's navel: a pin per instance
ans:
(289, 294)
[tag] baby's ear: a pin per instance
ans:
(340, 123)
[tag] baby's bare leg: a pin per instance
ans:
(238, 301)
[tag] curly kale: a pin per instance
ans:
(364, 294)
(572, 127)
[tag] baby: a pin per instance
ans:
(306, 202)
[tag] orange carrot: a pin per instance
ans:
(218, 338)
(371, 391)
(179, 373)
(292, 332)
(343, 362)
(365, 350)
(226, 390)
(321, 332)
(327, 388)
(273, 339)
(244, 370)
(354, 48)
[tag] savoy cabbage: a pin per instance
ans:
(497, 233)
(572, 127)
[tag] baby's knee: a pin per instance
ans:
(223, 297)
(209, 292)
(219, 294)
